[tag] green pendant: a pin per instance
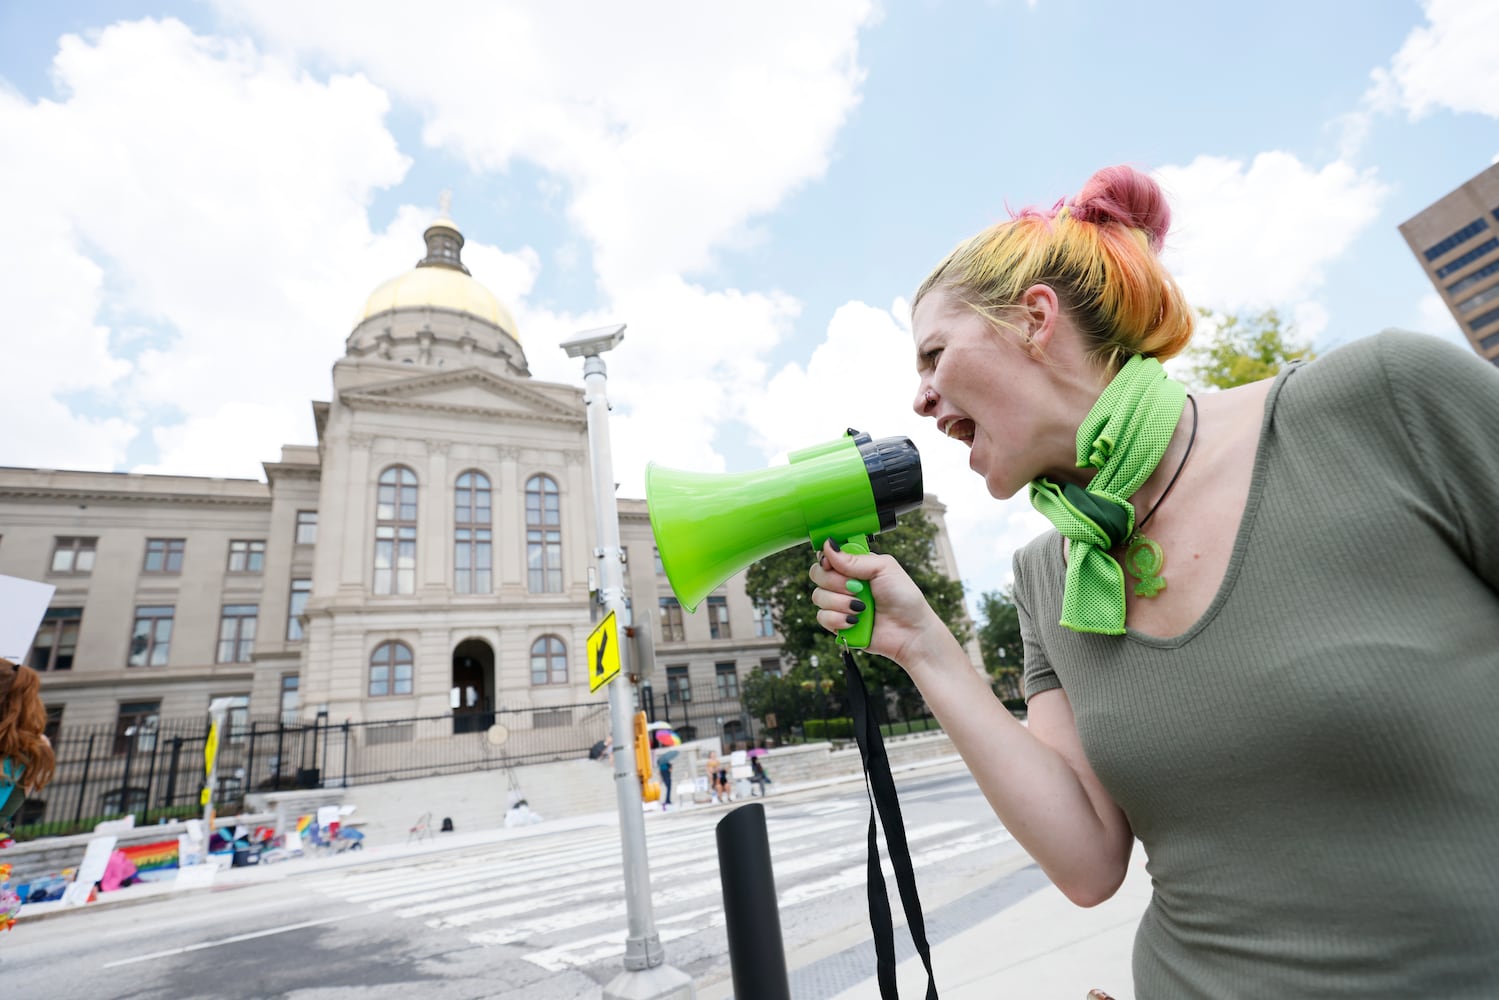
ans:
(1145, 560)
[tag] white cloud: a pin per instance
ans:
(1446, 64)
(1436, 319)
(1261, 235)
(672, 129)
(53, 343)
(210, 201)
(690, 360)
(667, 135)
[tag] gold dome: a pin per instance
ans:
(440, 281)
(439, 288)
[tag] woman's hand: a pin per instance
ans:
(904, 624)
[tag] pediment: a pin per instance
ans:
(466, 390)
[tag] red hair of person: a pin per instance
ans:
(1099, 251)
(23, 720)
(1124, 195)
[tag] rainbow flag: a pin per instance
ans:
(152, 857)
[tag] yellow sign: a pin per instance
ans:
(210, 751)
(603, 653)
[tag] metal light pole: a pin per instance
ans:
(218, 710)
(646, 976)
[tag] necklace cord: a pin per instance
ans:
(1191, 438)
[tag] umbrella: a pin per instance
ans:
(757, 752)
(662, 735)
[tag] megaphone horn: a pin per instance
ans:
(709, 526)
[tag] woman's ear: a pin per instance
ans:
(1039, 309)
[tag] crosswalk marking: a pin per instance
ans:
(394, 890)
(591, 880)
(576, 954)
(679, 891)
(529, 893)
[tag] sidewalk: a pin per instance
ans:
(1042, 948)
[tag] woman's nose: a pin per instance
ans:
(926, 402)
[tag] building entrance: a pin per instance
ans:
(472, 694)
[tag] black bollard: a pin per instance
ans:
(752, 916)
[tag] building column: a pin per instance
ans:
(434, 517)
(510, 531)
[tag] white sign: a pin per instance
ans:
(22, 604)
(90, 870)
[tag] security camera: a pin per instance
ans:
(593, 342)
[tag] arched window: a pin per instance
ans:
(390, 669)
(395, 532)
(548, 661)
(543, 535)
(472, 552)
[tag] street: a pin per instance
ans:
(542, 917)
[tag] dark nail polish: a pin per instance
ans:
(856, 605)
(834, 543)
(853, 619)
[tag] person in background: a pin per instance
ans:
(664, 768)
(27, 762)
(758, 778)
(1289, 701)
(718, 778)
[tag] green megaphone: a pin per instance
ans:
(709, 526)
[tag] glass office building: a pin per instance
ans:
(1456, 241)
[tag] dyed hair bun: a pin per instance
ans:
(1125, 195)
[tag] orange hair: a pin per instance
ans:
(1099, 253)
(23, 719)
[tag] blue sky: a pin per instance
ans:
(199, 197)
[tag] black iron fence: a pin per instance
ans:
(156, 770)
(786, 713)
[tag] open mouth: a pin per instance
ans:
(960, 428)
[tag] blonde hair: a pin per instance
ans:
(1099, 253)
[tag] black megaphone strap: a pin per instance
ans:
(880, 786)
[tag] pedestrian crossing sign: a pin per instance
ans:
(603, 653)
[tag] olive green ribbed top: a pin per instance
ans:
(1313, 767)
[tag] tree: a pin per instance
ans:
(779, 582)
(999, 637)
(766, 696)
(1243, 349)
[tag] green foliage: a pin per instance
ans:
(914, 726)
(780, 583)
(829, 729)
(67, 828)
(771, 695)
(999, 633)
(1243, 349)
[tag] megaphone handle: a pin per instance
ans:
(859, 636)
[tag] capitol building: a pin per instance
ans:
(430, 556)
